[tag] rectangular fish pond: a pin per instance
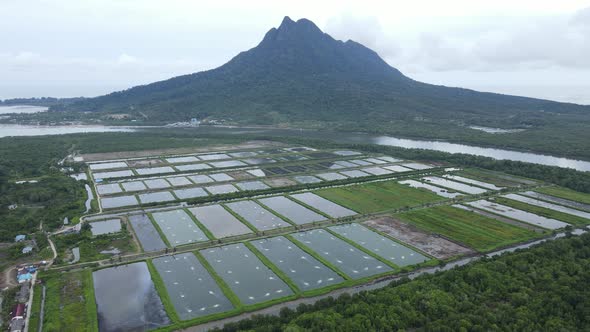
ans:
(297, 213)
(319, 203)
(345, 257)
(256, 215)
(303, 269)
(119, 201)
(146, 233)
(245, 274)
(178, 227)
(127, 300)
(518, 214)
(105, 227)
(219, 221)
(380, 245)
(192, 290)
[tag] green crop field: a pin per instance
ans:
(474, 230)
(545, 212)
(69, 304)
(378, 196)
(565, 193)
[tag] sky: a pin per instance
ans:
(67, 48)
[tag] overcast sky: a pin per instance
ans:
(67, 48)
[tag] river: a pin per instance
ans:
(340, 137)
(360, 138)
(7, 130)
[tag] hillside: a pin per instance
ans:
(298, 73)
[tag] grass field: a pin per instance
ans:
(565, 193)
(541, 211)
(474, 230)
(69, 304)
(378, 196)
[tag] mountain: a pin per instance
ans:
(300, 75)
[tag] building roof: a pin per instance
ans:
(24, 277)
(20, 237)
(27, 249)
(17, 325)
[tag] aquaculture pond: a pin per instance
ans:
(106, 189)
(558, 200)
(157, 183)
(454, 185)
(518, 214)
(380, 245)
(182, 160)
(354, 173)
(220, 177)
(331, 176)
(192, 167)
(219, 221)
(113, 174)
(146, 233)
(416, 166)
(303, 269)
(119, 201)
(103, 166)
(251, 280)
(156, 197)
(344, 256)
(227, 163)
(321, 204)
(192, 290)
(214, 156)
(297, 213)
(256, 215)
(548, 205)
(134, 186)
(178, 227)
(154, 170)
(252, 185)
(471, 181)
(306, 179)
(437, 190)
(200, 179)
(105, 227)
(179, 181)
(377, 170)
(190, 193)
(221, 189)
(398, 168)
(126, 299)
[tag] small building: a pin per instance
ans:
(18, 312)
(66, 221)
(17, 325)
(12, 206)
(20, 238)
(22, 296)
(27, 250)
(25, 277)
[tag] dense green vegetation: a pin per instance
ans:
(472, 229)
(69, 304)
(378, 196)
(541, 289)
(565, 193)
(91, 246)
(545, 212)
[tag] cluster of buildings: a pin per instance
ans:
(21, 238)
(25, 274)
(19, 311)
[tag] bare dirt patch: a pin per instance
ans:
(280, 182)
(145, 163)
(433, 245)
(178, 151)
